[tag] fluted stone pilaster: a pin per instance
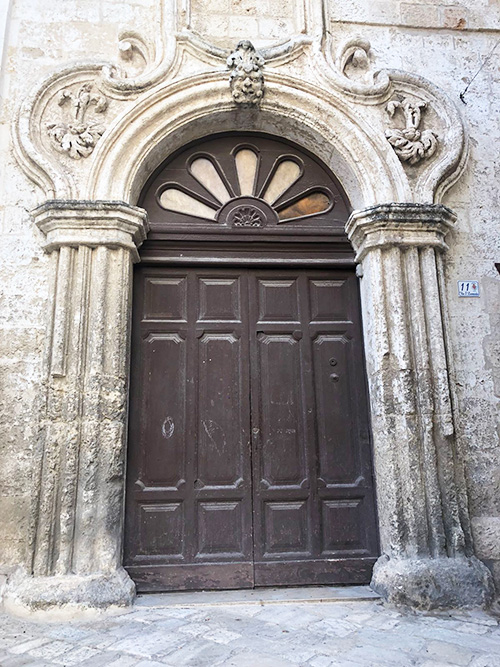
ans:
(427, 556)
(78, 495)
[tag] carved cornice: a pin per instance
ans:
(91, 223)
(403, 225)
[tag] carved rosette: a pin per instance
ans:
(246, 216)
(246, 79)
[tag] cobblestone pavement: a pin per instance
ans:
(282, 632)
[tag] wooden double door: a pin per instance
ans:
(249, 449)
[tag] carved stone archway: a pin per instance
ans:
(395, 142)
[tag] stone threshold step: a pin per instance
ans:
(257, 596)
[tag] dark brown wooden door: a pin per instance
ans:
(249, 455)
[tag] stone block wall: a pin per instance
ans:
(454, 44)
(420, 14)
(225, 22)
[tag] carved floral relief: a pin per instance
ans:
(411, 144)
(78, 136)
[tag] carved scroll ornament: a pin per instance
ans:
(355, 67)
(78, 138)
(246, 79)
(411, 144)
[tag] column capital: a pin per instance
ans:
(399, 224)
(91, 223)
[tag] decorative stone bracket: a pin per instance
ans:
(428, 560)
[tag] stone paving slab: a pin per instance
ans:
(303, 594)
(256, 632)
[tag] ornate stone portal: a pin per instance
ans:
(335, 105)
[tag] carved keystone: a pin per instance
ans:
(246, 79)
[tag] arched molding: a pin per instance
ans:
(308, 95)
(174, 115)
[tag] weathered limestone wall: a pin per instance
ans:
(450, 44)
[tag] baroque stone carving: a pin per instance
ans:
(411, 144)
(246, 79)
(354, 64)
(349, 68)
(78, 138)
(134, 54)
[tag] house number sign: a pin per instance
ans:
(468, 288)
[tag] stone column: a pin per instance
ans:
(427, 556)
(77, 518)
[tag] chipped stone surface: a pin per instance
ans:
(449, 44)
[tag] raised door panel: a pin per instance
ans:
(344, 527)
(221, 530)
(221, 448)
(335, 410)
(286, 528)
(165, 542)
(189, 487)
(163, 414)
(281, 427)
(329, 300)
(220, 299)
(283, 522)
(165, 298)
(313, 507)
(278, 300)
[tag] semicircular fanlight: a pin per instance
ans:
(241, 180)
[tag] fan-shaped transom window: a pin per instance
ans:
(247, 183)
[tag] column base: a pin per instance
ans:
(433, 583)
(69, 596)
